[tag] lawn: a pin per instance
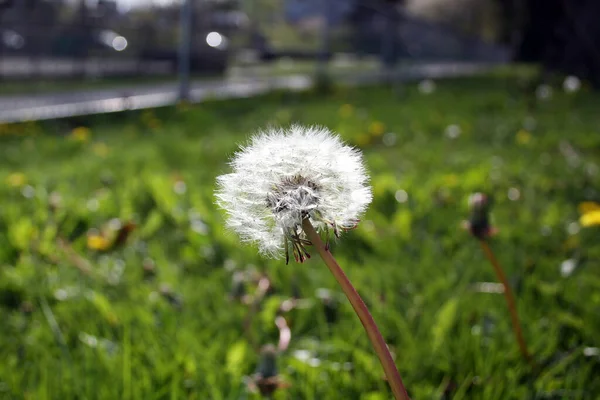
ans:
(118, 280)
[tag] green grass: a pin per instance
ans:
(118, 333)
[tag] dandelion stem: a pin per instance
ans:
(510, 299)
(391, 372)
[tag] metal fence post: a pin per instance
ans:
(387, 41)
(322, 55)
(185, 46)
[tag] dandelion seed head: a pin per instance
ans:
(286, 175)
(427, 86)
(571, 84)
(543, 92)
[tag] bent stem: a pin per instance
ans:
(361, 310)
(510, 299)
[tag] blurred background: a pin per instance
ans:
(59, 45)
(119, 280)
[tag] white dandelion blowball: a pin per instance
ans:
(287, 175)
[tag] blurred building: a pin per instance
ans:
(66, 38)
(388, 28)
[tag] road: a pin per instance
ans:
(31, 107)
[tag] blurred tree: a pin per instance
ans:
(563, 35)
(4, 4)
(510, 21)
(475, 18)
(372, 28)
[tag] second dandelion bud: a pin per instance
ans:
(287, 175)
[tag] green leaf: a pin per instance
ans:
(21, 232)
(402, 223)
(103, 306)
(235, 359)
(153, 223)
(444, 321)
(373, 396)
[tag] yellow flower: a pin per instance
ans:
(100, 149)
(376, 128)
(450, 180)
(523, 137)
(97, 242)
(590, 219)
(588, 206)
(346, 110)
(81, 134)
(590, 213)
(16, 179)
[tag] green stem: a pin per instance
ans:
(60, 338)
(362, 311)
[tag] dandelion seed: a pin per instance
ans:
(285, 176)
(302, 355)
(28, 191)
(571, 84)
(591, 352)
(81, 134)
(543, 92)
(199, 226)
(115, 224)
(61, 294)
(452, 131)
(567, 267)
(401, 196)
(514, 194)
(314, 362)
(180, 187)
(573, 228)
(90, 340)
(389, 139)
(427, 86)
(93, 204)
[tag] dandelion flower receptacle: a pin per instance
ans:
(289, 186)
(285, 176)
